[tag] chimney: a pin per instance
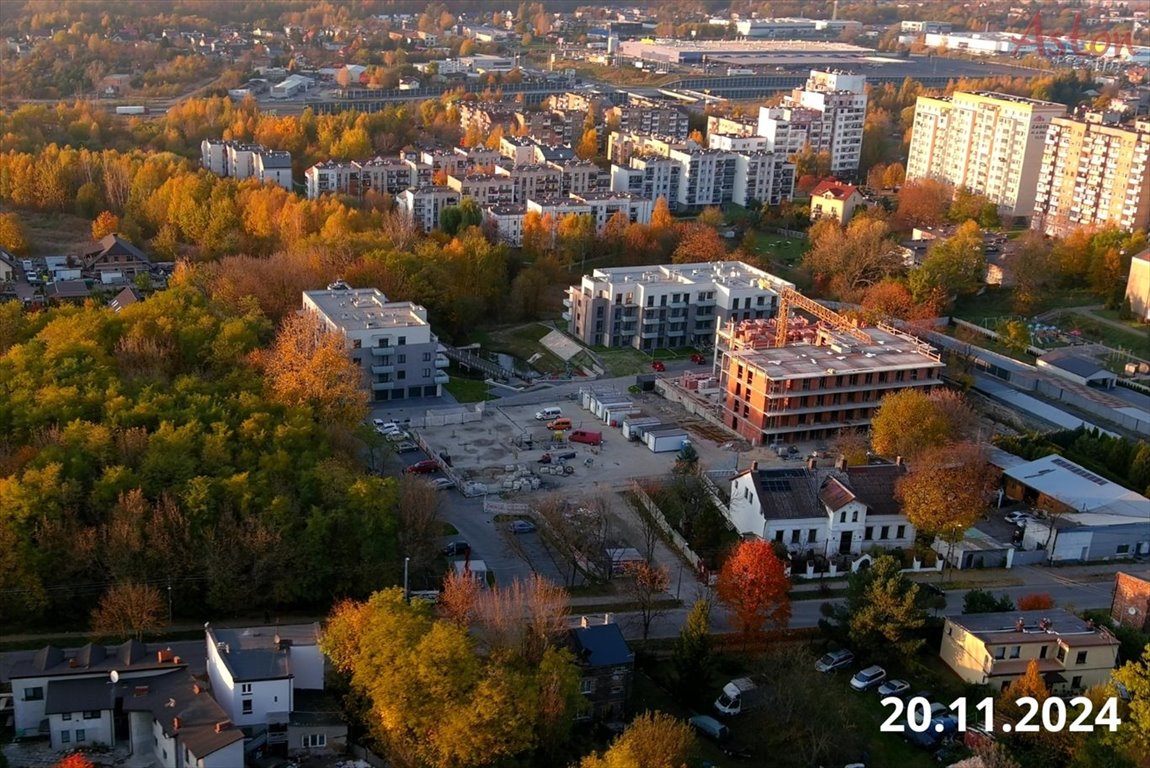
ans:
(898, 461)
(223, 725)
(175, 659)
(841, 464)
(1019, 624)
(812, 463)
(196, 689)
(606, 618)
(583, 622)
(175, 723)
(754, 466)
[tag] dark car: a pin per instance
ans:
(425, 467)
(658, 366)
(938, 732)
(457, 549)
(698, 359)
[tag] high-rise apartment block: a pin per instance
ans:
(391, 340)
(989, 143)
(671, 305)
(424, 205)
(827, 114)
(1093, 174)
(659, 121)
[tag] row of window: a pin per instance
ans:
(81, 736)
(868, 534)
(91, 714)
(1015, 652)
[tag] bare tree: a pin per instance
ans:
(128, 610)
(419, 521)
(523, 617)
(460, 598)
(646, 585)
(577, 531)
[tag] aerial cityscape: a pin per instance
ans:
(552, 384)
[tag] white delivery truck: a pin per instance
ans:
(740, 695)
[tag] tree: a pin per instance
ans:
(699, 243)
(956, 265)
(753, 584)
(894, 176)
(1035, 601)
(946, 490)
(712, 216)
(691, 657)
(588, 148)
(686, 461)
(909, 422)
(984, 601)
(128, 610)
(460, 598)
(849, 261)
(886, 617)
(1030, 684)
(309, 366)
(74, 760)
(1015, 335)
(1133, 735)
(648, 584)
(922, 203)
(852, 445)
(13, 238)
(106, 223)
(661, 215)
(652, 740)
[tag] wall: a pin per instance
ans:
(307, 667)
(228, 757)
(98, 730)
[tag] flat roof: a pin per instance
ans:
(261, 653)
(731, 274)
(362, 309)
(890, 351)
(1079, 488)
(1037, 626)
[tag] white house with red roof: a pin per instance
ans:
(833, 199)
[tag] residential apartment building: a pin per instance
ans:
(331, 178)
(484, 188)
(486, 117)
(733, 142)
(579, 176)
(244, 161)
(621, 147)
(1138, 286)
(990, 143)
(995, 649)
(604, 205)
(389, 175)
(391, 340)
(824, 511)
(671, 305)
(734, 126)
(827, 114)
(531, 181)
(424, 205)
(659, 121)
(445, 161)
(766, 177)
(273, 168)
(520, 150)
(551, 126)
(707, 177)
(558, 208)
(651, 177)
(810, 391)
(1093, 174)
(507, 220)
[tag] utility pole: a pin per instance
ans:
(169, 602)
(406, 592)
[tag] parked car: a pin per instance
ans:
(386, 427)
(834, 661)
(442, 483)
(1019, 518)
(548, 413)
(457, 549)
(521, 526)
(406, 447)
(938, 732)
(397, 437)
(868, 678)
(712, 729)
(425, 467)
(658, 366)
(698, 359)
(559, 425)
(893, 688)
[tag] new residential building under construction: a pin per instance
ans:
(789, 379)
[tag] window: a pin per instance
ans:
(65, 737)
(1076, 682)
(426, 357)
(1015, 651)
(778, 536)
(314, 741)
(587, 685)
(401, 358)
(843, 516)
(812, 535)
(33, 694)
(427, 373)
(402, 340)
(868, 533)
(1000, 652)
(795, 536)
(1042, 652)
(245, 688)
(247, 706)
(901, 534)
(1081, 658)
(92, 714)
(855, 516)
(400, 375)
(66, 716)
(885, 532)
(1061, 655)
(1123, 549)
(81, 735)
(356, 344)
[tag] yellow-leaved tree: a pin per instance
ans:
(309, 367)
(652, 740)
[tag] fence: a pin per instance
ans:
(1126, 421)
(710, 483)
(674, 536)
(366, 755)
(798, 234)
(493, 507)
(441, 417)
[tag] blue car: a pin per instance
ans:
(936, 734)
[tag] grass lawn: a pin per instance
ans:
(784, 254)
(623, 361)
(997, 303)
(1136, 340)
(52, 234)
(522, 341)
(468, 390)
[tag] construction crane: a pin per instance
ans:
(790, 297)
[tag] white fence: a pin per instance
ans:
(441, 417)
(657, 515)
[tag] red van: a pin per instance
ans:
(584, 436)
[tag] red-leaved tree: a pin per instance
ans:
(1035, 601)
(754, 584)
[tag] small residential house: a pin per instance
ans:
(127, 296)
(832, 199)
(67, 291)
(9, 267)
(847, 510)
(607, 665)
(995, 648)
(116, 260)
(256, 676)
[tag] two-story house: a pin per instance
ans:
(996, 648)
(261, 676)
(607, 666)
(847, 510)
(116, 260)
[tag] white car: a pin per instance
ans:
(442, 483)
(868, 678)
(1020, 519)
(397, 436)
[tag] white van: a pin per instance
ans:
(548, 413)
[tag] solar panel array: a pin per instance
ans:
(1079, 471)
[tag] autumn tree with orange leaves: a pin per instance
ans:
(753, 584)
(75, 760)
(308, 367)
(1035, 601)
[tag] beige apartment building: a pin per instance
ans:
(990, 143)
(995, 648)
(1093, 174)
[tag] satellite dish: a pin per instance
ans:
(115, 676)
(207, 625)
(1132, 611)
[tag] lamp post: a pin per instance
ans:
(169, 603)
(406, 593)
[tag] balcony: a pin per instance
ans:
(383, 352)
(382, 386)
(567, 301)
(385, 368)
(566, 316)
(441, 361)
(441, 378)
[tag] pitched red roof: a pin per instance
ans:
(834, 188)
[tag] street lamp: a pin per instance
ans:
(169, 603)
(406, 592)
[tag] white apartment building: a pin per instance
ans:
(332, 178)
(659, 121)
(507, 221)
(768, 177)
(559, 207)
(707, 177)
(989, 143)
(606, 204)
(518, 149)
(272, 167)
(391, 340)
(484, 188)
(733, 142)
(579, 176)
(389, 175)
(424, 205)
(530, 181)
(828, 113)
(651, 177)
(244, 161)
(1093, 174)
(621, 147)
(670, 305)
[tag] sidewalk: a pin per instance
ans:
(984, 578)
